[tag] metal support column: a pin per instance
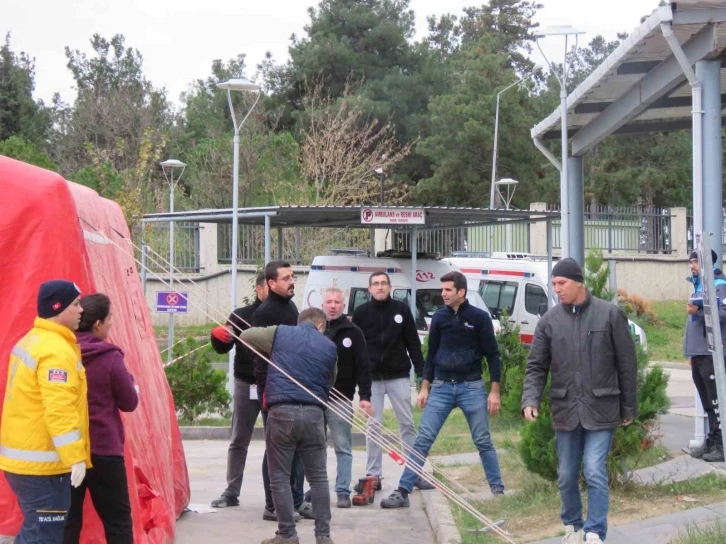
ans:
(413, 243)
(279, 243)
(144, 265)
(373, 243)
(708, 73)
(268, 240)
(576, 174)
(298, 260)
(550, 294)
(170, 356)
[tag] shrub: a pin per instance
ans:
(197, 388)
(514, 363)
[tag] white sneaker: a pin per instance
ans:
(572, 536)
(593, 538)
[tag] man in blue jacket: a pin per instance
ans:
(296, 417)
(695, 347)
(460, 336)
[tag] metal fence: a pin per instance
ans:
(623, 229)
(689, 231)
(186, 246)
(299, 245)
(489, 239)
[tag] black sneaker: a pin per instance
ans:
(343, 500)
(271, 515)
(224, 501)
(424, 485)
(714, 455)
(396, 500)
(698, 453)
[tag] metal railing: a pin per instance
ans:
(623, 229)
(186, 245)
(446, 241)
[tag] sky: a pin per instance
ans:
(179, 39)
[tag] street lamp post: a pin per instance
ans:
(566, 31)
(242, 85)
(492, 195)
(169, 166)
(510, 184)
(382, 178)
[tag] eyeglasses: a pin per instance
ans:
(380, 284)
(287, 279)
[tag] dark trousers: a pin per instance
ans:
(705, 382)
(109, 490)
(244, 417)
(292, 430)
(44, 501)
(297, 477)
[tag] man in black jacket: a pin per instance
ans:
(353, 369)
(393, 344)
(246, 406)
(586, 345)
(460, 336)
(277, 309)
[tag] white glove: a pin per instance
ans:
(78, 472)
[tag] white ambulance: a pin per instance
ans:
(349, 270)
(517, 283)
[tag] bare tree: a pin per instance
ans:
(342, 149)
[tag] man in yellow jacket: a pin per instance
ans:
(44, 446)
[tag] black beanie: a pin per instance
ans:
(568, 268)
(714, 257)
(55, 296)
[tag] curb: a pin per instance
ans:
(440, 518)
(225, 433)
(671, 365)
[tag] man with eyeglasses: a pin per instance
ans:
(277, 309)
(393, 344)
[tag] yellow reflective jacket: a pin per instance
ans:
(44, 427)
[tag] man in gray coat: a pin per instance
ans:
(586, 345)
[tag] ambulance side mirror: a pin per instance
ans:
(542, 309)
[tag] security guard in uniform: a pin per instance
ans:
(44, 445)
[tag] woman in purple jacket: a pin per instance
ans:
(110, 388)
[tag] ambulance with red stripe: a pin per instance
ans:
(349, 271)
(516, 283)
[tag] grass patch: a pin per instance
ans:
(665, 334)
(531, 511)
(207, 422)
(455, 436)
(197, 331)
(714, 534)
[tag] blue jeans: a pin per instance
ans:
(341, 433)
(45, 501)
(297, 476)
(471, 397)
(592, 447)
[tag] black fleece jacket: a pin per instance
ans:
(276, 310)
(239, 321)
(354, 367)
(392, 338)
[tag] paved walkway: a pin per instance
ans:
(207, 459)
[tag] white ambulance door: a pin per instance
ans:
(500, 295)
(528, 312)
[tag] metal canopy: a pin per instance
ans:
(640, 86)
(350, 216)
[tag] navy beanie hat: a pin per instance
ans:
(714, 257)
(568, 268)
(55, 296)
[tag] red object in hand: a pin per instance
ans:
(264, 401)
(396, 457)
(222, 334)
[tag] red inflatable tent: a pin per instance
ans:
(51, 228)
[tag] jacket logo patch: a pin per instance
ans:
(57, 375)
(398, 318)
(468, 325)
(347, 342)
